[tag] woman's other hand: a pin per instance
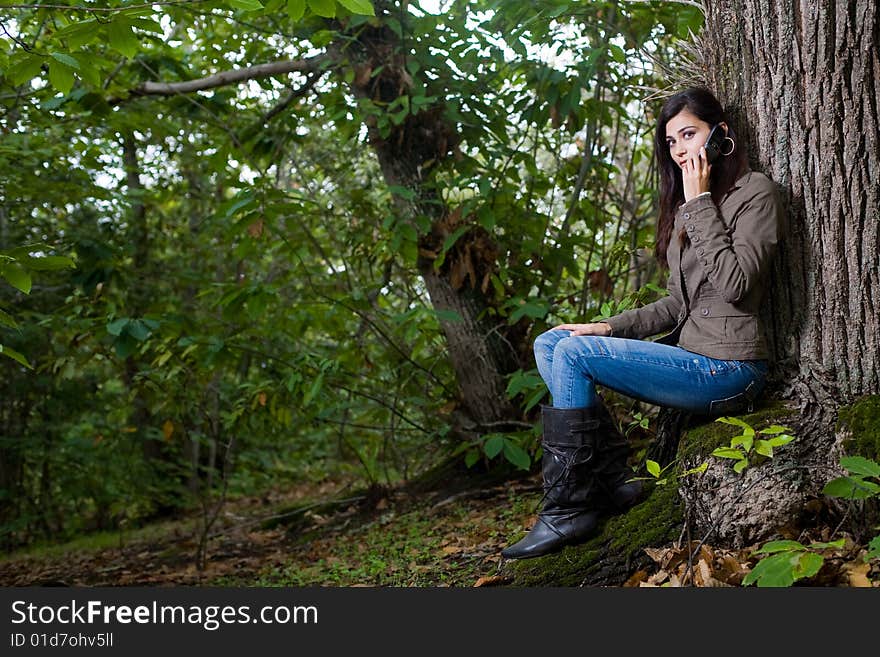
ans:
(695, 175)
(598, 328)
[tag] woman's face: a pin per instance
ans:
(685, 136)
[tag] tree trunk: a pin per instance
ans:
(800, 79)
(480, 353)
(137, 294)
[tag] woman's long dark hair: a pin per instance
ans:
(725, 170)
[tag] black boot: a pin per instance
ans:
(585, 476)
(610, 465)
(569, 484)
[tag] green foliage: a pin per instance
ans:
(789, 561)
(862, 483)
(638, 420)
(249, 302)
(858, 485)
(16, 268)
(745, 447)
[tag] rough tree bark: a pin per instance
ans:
(480, 353)
(801, 79)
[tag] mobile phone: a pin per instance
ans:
(713, 143)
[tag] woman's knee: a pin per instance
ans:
(545, 344)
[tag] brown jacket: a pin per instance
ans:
(724, 269)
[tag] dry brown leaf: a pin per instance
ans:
(656, 554)
(658, 578)
(492, 580)
(637, 578)
(703, 573)
(858, 574)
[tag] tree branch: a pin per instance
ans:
(225, 78)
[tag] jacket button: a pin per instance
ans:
(696, 238)
(700, 250)
(704, 312)
(687, 215)
(690, 226)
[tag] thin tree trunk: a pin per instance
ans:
(480, 353)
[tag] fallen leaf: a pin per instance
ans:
(492, 580)
(638, 578)
(858, 574)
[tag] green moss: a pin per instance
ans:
(654, 522)
(699, 441)
(862, 420)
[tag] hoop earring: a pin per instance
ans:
(732, 146)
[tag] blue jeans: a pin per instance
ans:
(651, 372)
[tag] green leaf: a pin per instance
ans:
(313, 389)
(745, 440)
(825, 546)
(747, 430)
(471, 457)
(780, 546)
(25, 69)
(516, 455)
(653, 467)
(728, 453)
(851, 488)
(774, 429)
(362, 7)
(808, 565)
(125, 345)
(14, 355)
(247, 5)
(325, 8)
(874, 548)
(776, 570)
(65, 59)
(537, 396)
(116, 327)
(7, 320)
(122, 38)
(16, 276)
(861, 466)
(493, 445)
(49, 263)
(764, 448)
(138, 330)
(739, 466)
(60, 77)
(778, 441)
(296, 9)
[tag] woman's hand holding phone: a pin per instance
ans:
(695, 175)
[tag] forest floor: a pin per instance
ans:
(393, 539)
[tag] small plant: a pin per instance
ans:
(746, 445)
(661, 479)
(508, 445)
(638, 420)
(529, 384)
(788, 562)
(862, 482)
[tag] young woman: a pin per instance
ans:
(717, 235)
